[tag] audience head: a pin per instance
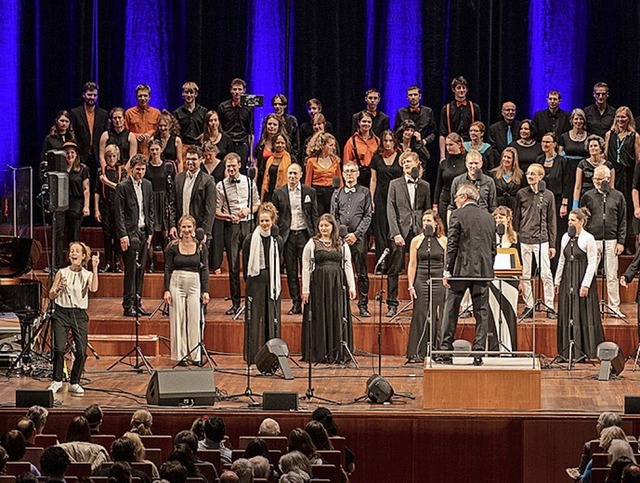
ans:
(324, 416)
(318, 435)
(295, 461)
(229, 476)
(4, 457)
(173, 472)
(269, 427)
(299, 440)
(617, 467)
(608, 419)
(257, 447)
(244, 469)
(123, 449)
(54, 462)
(607, 435)
(141, 422)
(215, 429)
(78, 430)
(189, 438)
(120, 472)
(38, 415)
(139, 451)
(292, 477)
(27, 428)
(13, 441)
(261, 467)
(619, 448)
(26, 477)
(93, 414)
(631, 474)
(197, 428)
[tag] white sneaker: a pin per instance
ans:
(55, 386)
(76, 389)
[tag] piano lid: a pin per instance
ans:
(15, 256)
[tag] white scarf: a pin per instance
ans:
(257, 261)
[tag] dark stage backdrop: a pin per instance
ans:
(332, 50)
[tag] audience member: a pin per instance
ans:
(244, 469)
(140, 453)
(123, 451)
(26, 477)
(319, 435)
(183, 454)
(197, 427)
(631, 474)
(93, 414)
(79, 447)
(14, 443)
(261, 467)
(299, 440)
(38, 415)
(293, 477)
(296, 461)
(229, 476)
(269, 427)
(141, 422)
(54, 463)
(173, 472)
(617, 467)
(121, 472)
(215, 438)
(257, 447)
(28, 430)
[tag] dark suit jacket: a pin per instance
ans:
(542, 122)
(498, 134)
(402, 218)
(309, 209)
(126, 208)
(81, 128)
(203, 201)
(471, 242)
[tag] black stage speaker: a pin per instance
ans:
(273, 355)
(58, 191)
(632, 404)
(181, 388)
(280, 401)
(378, 389)
(25, 398)
(611, 360)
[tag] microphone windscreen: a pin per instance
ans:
(428, 230)
(500, 229)
(275, 230)
(542, 186)
(200, 234)
(335, 182)
(169, 169)
(251, 172)
(415, 172)
(572, 231)
(604, 187)
(343, 231)
(135, 243)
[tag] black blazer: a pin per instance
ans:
(471, 242)
(498, 135)
(542, 122)
(126, 208)
(402, 218)
(309, 209)
(203, 201)
(81, 129)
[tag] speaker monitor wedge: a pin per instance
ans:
(378, 389)
(58, 191)
(280, 401)
(25, 398)
(181, 388)
(273, 355)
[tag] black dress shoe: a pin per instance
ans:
(551, 314)
(364, 312)
(296, 309)
(117, 269)
(477, 361)
(129, 312)
(106, 268)
(233, 310)
(392, 311)
(443, 360)
(414, 360)
(183, 363)
(141, 311)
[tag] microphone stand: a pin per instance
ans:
(141, 360)
(605, 308)
(162, 306)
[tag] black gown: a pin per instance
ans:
(262, 313)
(158, 178)
(384, 174)
(327, 300)
(588, 332)
(417, 345)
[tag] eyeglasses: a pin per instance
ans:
(350, 171)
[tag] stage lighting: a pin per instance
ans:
(378, 389)
(611, 360)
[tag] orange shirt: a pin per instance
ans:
(316, 175)
(365, 149)
(142, 121)
(281, 177)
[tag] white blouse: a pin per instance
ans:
(587, 243)
(76, 293)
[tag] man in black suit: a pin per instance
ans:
(134, 225)
(297, 220)
(407, 200)
(553, 119)
(471, 249)
(422, 116)
(505, 131)
(194, 194)
(89, 122)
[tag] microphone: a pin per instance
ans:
(168, 169)
(428, 231)
(135, 243)
(335, 182)
(542, 186)
(251, 173)
(572, 232)
(415, 173)
(604, 187)
(275, 230)
(343, 231)
(383, 257)
(500, 229)
(200, 234)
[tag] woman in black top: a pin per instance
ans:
(60, 133)
(409, 139)
(528, 148)
(452, 166)
(384, 167)
(508, 178)
(212, 132)
(261, 253)
(118, 135)
(79, 193)
(214, 165)
(186, 284)
(168, 134)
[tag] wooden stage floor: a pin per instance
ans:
(563, 391)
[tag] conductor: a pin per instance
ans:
(471, 249)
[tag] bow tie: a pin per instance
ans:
(414, 109)
(461, 103)
(411, 181)
(350, 190)
(235, 104)
(110, 168)
(234, 180)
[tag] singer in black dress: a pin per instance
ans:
(426, 260)
(326, 269)
(576, 268)
(448, 170)
(261, 257)
(157, 174)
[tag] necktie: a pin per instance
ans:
(509, 135)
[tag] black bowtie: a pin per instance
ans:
(411, 181)
(234, 180)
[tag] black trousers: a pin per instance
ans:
(479, 298)
(323, 195)
(68, 222)
(395, 266)
(63, 321)
(359, 260)
(112, 251)
(234, 235)
(217, 245)
(293, 262)
(131, 297)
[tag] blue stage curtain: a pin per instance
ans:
(10, 80)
